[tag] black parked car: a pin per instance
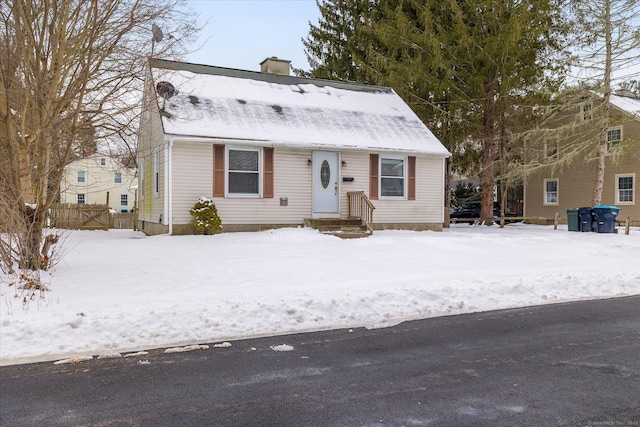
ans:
(471, 210)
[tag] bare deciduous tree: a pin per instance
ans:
(69, 74)
(610, 42)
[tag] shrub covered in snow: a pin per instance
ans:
(205, 217)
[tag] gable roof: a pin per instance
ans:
(628, 104)
(224, 103)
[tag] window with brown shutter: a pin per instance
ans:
(373, 176)
(267, 178)
(411, 177)
(218, 170)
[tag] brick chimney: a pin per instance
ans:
(274, 65)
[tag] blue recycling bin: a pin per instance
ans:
(585, 216)
(605, 218)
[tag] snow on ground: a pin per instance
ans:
(120, 290)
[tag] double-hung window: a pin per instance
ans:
(117, 177)
(551, 150)
(550, 191)
(586, 111)
(243, 172)
(124, 200)
(625, 188)
(392, 177)
(614, 136)
(81, 177)
(80, 199)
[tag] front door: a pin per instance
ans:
(326, 194)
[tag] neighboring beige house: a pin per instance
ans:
(96, 179)
(552, 189)
(274, 150)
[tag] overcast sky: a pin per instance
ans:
(242, 33)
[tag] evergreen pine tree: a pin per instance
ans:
(472, 61)
(335, 43)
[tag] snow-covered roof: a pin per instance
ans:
(626, 103)
(223, 103)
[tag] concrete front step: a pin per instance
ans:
(344, 228)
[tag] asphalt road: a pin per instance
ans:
(575, 364)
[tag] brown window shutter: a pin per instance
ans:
(267, 176)
(411, 173)
(218, 170)
(373, 176)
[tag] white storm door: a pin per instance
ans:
(326, 194)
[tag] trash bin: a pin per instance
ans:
(573, 221)
(585, 216)
(605, 218)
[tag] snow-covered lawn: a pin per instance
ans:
(120, 291)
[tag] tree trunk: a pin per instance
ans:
(33, 223)
(488, 154)
(602, 148)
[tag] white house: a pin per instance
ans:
(274, 150)
(99, 179)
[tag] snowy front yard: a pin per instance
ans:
(121, 291)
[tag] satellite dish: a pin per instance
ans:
(157, 33)
(165, 89)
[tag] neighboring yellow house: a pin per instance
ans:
(99, 179)
(555, 186)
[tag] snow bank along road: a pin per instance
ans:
(120, 291)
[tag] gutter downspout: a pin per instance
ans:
(168, 184)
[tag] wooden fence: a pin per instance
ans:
(123, 221)
(88, 217)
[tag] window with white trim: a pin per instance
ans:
(80, 199)
(614, 136)
(117, 177)
(103, 161)
(124, 200)
(82, 176)
(625, 189)
(243, 171)
(551, 191)
(392, 176)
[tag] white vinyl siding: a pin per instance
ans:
(428, 206)
(193, 178)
